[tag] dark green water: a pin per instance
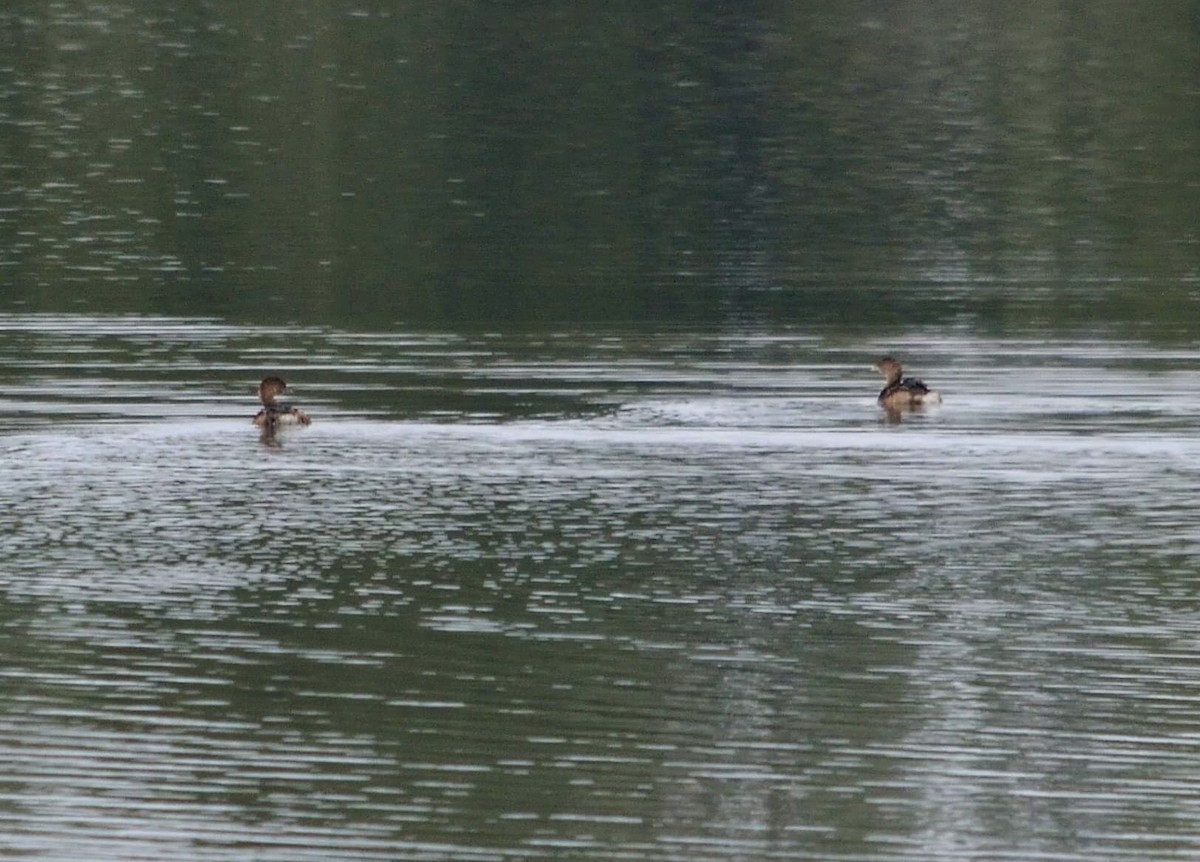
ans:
(468, 161)
(598, 546)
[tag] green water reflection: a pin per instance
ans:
(471, 161)
(614, 593)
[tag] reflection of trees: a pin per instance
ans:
(500, 160)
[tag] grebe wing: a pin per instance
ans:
(912, 384)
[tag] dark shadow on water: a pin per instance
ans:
(269, 438)
(897, 415)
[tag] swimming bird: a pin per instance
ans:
(274, 413)
(902, 391)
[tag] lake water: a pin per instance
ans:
(599, 546)
(610, 594)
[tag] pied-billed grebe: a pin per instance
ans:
(902, 391)
(275, 414)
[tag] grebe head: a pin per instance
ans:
(270, 389)
(889, 368)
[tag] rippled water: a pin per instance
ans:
(593, 594)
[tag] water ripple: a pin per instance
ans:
(514, 598)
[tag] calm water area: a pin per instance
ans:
(599, 546)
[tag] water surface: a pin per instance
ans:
(598, 547)
(366, 164)
(608, 595)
